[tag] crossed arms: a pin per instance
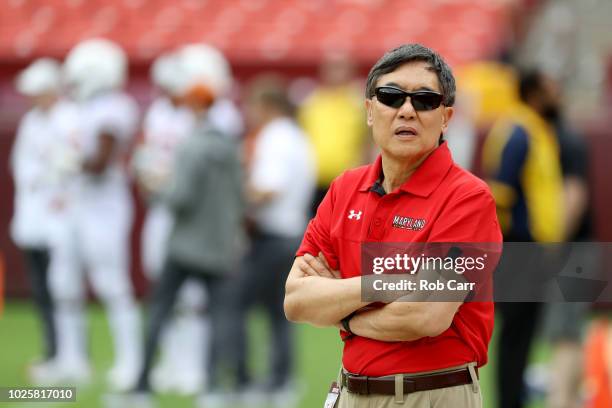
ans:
(316, 294)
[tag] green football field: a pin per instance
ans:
(318, 352)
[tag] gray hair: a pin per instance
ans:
(409, 53)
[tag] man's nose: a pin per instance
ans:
(407, 110)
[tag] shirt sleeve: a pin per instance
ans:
(317, 237)
(25, 164)
(505, 182)
(17, 151)
(469, 228)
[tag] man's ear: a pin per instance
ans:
(448, 114)
(369, 106)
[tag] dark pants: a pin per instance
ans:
(161, 305)
(519, 322)
(262, 283)
(37, 260)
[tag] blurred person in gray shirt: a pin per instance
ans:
(204, 193)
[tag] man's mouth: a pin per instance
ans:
(405, 131)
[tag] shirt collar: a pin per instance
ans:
(423, 181)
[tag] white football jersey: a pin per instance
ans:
(226, 117)
(165, 127)
(114, 113)
(43, 159)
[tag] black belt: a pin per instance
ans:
(358, 384)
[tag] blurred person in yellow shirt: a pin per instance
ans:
(521, 160)
(333, 117)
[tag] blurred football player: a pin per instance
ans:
(204, 193)
(40, 159)
(166, 124)
(98, 240)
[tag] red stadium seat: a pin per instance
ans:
(286, 31)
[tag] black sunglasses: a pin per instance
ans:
(395, 98)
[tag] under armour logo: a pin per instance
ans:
(353, 215)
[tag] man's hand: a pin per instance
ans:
(152, 181)
(316, 294)
(258, 197)
(405, 321)
(311, 266)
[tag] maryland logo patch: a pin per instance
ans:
(409, 223)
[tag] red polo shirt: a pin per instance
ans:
(446, 204)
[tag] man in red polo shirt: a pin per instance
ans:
(411, 354)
